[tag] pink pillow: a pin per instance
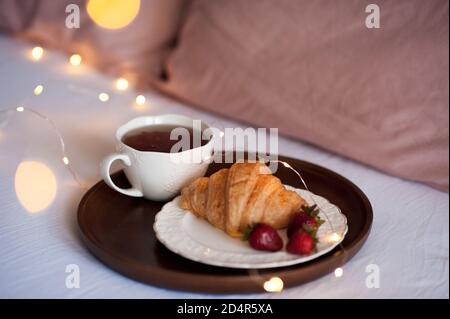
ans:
(314, 70)
(136, 50)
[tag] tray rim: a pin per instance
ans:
(157, 276)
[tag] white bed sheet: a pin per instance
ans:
(409, 239)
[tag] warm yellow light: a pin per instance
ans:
(104, 97)
(65, 160)
(334, 237)
(35, 185)
(38, 90)
(75, 59)
(274, 284)
(338, 272)
(122, 84)
(20, 109)
(37, 53)
(113, 14)
(140, 100)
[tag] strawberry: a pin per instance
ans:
(297, 222)
(307, 218)
(265, 237)
(311, 223)
(301, 243)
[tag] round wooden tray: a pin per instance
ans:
(118, 230)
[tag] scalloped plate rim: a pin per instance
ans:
(240, 265)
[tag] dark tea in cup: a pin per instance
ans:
(157, 138)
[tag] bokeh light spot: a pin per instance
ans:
(113, 14)
(75, 59)
(274, 284)
(35, 185)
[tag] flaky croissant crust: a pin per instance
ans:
(234, 199)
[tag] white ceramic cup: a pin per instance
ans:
(155, 175)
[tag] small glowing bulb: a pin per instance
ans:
(274, 284)
(38, 90)
(286, 164)
(75, 59)
(104, 97)
(20, 109)
(338, 272)
(140, 100)
(122, 84)
(334, 237)
(37, 53)
(65, 160)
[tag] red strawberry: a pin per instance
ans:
(311, 223)
(297, 222)
(307, 218)
(265, 237)
(301, 243)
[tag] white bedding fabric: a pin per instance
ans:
(409, 239)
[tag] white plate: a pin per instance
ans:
(195, 239)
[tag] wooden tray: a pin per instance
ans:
(118, 230)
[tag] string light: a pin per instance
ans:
(274, 284)
(122, 84)
(334, 237)
(35, 185)
(113, 14)
(37, 53)
(140, 100)
(338, 272)
(104, 97)
(287, 165)
(38, 90)
(75, 59)
(57, 132)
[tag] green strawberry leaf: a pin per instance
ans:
(311, 210)
(246, 234)
(320, 221)
(308, 229)
(311, 232)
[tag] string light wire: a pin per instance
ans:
(62, 144)
(341, 246)
(37, 54)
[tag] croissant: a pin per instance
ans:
(234, 199)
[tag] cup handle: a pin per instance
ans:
(104, 171)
